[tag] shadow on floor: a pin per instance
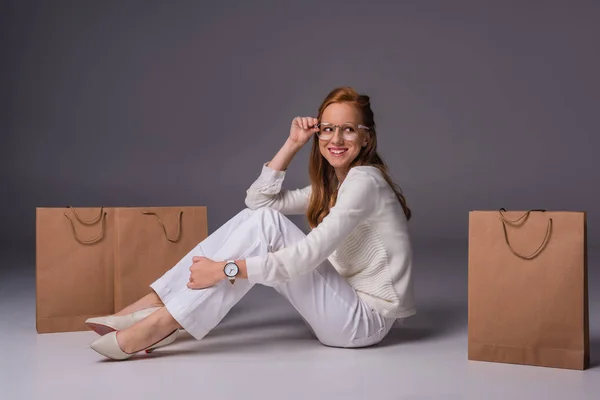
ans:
(431, 321)
(251, 343)
(233, 325)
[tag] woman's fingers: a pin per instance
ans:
(192, 285)
(305, 123)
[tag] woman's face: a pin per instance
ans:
(337, 150)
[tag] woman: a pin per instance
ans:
(349, 278)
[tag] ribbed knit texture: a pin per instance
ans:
(362, 260)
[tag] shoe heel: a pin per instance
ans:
(164, 342)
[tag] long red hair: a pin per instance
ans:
(323, 179)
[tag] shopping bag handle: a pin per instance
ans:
(89, 241)
(521, 217)
(178, 236)
(503, 219)
(91, 221)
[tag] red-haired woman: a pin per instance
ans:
(349, 278)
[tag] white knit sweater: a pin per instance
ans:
(364, 236)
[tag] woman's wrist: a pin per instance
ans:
(220, 269)
(292, 147)
(243, 274)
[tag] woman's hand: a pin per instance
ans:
(205, 272)
(303, 128)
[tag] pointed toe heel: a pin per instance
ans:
(108, 346)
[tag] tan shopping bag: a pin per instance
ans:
(95, 261)
(528, 300)
(74, 274)
(150, 241)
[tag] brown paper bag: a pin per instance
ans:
(528, 301)
(95, 261)
(150, 241)
(74, 274)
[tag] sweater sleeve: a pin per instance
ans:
(355, 202)
(266, 191)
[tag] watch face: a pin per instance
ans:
(231, 269)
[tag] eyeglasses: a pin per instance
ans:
(349, 130)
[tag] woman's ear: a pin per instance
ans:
(365, 141)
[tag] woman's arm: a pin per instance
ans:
(266, 191)
(355, 203)
(284, 156)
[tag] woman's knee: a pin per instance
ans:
(264, 211)
(268, 216)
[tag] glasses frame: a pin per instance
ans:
(335, 127)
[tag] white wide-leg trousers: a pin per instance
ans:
(335, 313)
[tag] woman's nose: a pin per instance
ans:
(338, 136)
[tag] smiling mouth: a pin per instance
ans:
(337, 153)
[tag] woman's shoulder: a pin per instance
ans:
(367, 170)
(363, 178)
(371, 177)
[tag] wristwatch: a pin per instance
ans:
(231, 270)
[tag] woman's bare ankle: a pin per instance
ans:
(133, 308)
(150, 300)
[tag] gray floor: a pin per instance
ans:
(263, 350)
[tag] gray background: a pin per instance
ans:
(479, 104)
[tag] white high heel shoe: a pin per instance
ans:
(111, 323)
(108, 346)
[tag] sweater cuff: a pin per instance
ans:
(254, 269)
(272, 173)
